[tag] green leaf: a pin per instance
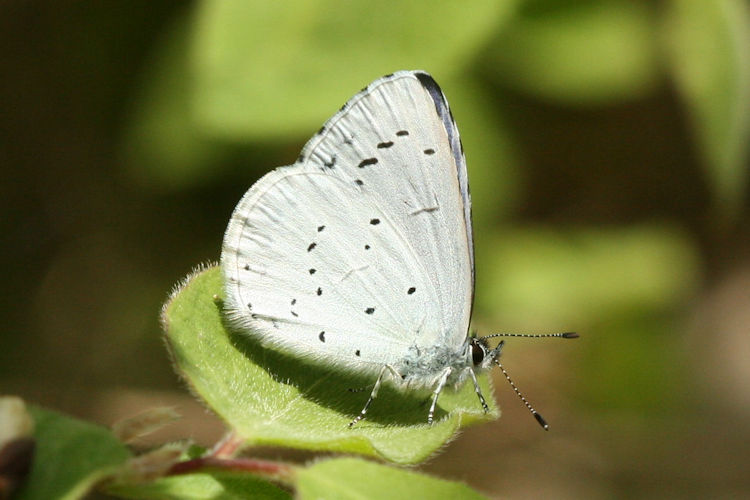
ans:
(214, 485)
(70, 457)
(708, 43)
(342, 478)
(579, 52)
(270, 69)
(270, 399)
(349, 478)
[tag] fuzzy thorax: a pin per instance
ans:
(424, 367)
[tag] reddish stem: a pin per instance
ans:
(277, 471)
(228, 447)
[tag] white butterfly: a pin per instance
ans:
(360, 255)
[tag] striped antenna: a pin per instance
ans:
(496, 354)
(537, 416)
(564, 335)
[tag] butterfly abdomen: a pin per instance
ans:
(422, 367)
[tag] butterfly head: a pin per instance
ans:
(482, 356)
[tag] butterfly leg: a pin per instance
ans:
(374, 392)
(478, 390)
(436, 393)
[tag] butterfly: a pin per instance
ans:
(360, 255)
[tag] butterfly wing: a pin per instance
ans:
(361, 249)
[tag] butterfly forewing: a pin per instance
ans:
(362, 249)
(398, 139)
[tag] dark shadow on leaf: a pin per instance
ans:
(331, 387)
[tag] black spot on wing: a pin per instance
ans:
(374, 222)
(320, 228)
(294, 301)
(385, 145)
(358, 182)
(367, 161)
(429, 151)
(319, 291)
(312, 271)
(322, 336)
(411, 290)
(402, 133)
(311, 246)
(356, 353)
(370, 310)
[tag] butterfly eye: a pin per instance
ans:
(477, 352)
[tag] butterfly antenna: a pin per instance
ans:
(564, 335)
(537, 416)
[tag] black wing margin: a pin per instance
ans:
(457, 148)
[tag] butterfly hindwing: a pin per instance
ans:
(312, 275)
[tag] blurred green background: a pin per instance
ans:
(607, 148)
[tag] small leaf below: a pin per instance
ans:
(70, 457)
(214, 485)
(350, 478)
